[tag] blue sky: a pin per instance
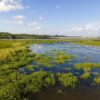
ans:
(64, 17)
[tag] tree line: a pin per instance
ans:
(7, 35)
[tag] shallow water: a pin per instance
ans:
(83, 53)
(59, 93)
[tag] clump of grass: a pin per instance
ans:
(61, 57)
(30, 67)
(49, 61)
(43, 60)
(97, 80)
(50, 80)
(10, 92)
(87, 66)
(85, 76)
(67, 79)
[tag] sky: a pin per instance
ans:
(62, 17)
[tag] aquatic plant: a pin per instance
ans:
(67, 79)
(43, 60)
(30, 67)
(97, 80)
(85, 76)
(87, 66)
(50, 80)
(61, 57)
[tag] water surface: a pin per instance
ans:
(85, 53)
(82, 53)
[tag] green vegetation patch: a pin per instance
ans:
(67, 79)
(87, 66)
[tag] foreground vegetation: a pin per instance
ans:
(15, 54)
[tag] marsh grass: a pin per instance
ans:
(68, 79)
(15, 54)
(49, 61)
(85, 76)
(61, 57)
(87, 66)
(97, 80)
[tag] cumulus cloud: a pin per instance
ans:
(20, 23)
(18, 19)
(35, 25)
(86, 30)
(9, 5)
(77, 29)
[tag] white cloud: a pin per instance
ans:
(77, 29)
(92, 26)
(35, 25)
(8, 5)
(90, 29)
(19, 19)
(19, 23)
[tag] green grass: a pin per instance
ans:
(92, 42)
(97, 80)
(87, 66)
(85, 76)
(68, 79)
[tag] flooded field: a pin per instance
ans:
(82, 54)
